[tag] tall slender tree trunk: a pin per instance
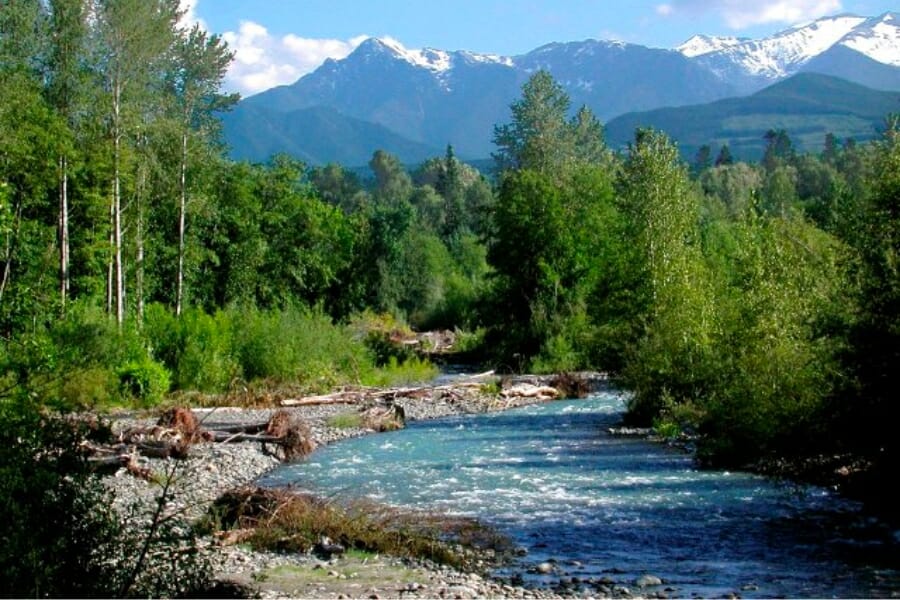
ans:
(182, 209)
(63, 232)
(110, 263)
(117, 209)
(139, 242)
(139, 266)
(11, 239)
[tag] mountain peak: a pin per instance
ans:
(699, 45)
(434, 60)
(786, 52)
(878, 38)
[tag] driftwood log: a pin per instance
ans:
(284, 435)
(360, 396)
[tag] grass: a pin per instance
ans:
(394, 373)
(346, 421)
(283, 521)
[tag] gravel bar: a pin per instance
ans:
(213, 469)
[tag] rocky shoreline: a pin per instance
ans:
(213, 469)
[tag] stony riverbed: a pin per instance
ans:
(213, 469)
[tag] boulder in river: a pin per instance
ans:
(647, 581)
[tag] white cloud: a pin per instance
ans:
(664, 10)
(740, 14)
(262, 60)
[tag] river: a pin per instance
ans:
(551, 478)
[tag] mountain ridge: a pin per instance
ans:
(429, 98)
(807, 106)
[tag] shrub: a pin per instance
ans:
(61, 536)
(195, 347)
(414, 370)
(146, 381)
(90, 388)
(298, 346)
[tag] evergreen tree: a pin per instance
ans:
(724, 157)
(779, 149)
(539, 138)
(450, 187)
(703, 159)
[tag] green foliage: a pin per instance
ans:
(675, 315)
(297, 346)
(346, 421)
(870, 413)
(62, 537)
(548, 249)
(394, 372)
(196, 347)
(145, 381)
(541, 137)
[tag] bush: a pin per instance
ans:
(61, 536)
(297, 346)
(195, 347)
(86, 389)
(146, 381)
(414, 370)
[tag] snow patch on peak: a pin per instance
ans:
(486, 58)
(436, 61)
(783, 53)
(704, 44)
(879, 39)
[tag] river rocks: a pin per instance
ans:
(544, 568)
(647, 581)
(630, 431)
(327, 549)
(213, 469)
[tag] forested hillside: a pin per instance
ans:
(753, 304)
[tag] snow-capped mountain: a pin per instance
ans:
(705, 44)
(879, 39)
(427, 98)
(437, 97)
(752, 64)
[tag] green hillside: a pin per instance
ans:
(807, 106)
(317, 136)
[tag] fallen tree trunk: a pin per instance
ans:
(227, 437)
(527, 390)
(245, 428)
(111, 464)
(362, 396)
(320, 400)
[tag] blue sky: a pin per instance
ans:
(278, 41)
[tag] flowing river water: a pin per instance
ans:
(597, 506)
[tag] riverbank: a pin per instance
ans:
(214, 469)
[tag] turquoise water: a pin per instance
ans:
(551, 477)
